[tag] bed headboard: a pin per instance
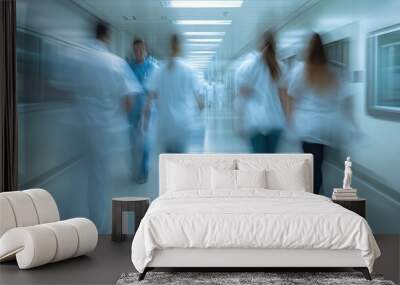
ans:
(165, 158)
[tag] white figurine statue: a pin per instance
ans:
(347, 174)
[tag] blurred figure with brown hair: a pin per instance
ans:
(317, 93)
(260, 81)
(175, 87)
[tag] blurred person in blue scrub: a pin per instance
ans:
(142, 66)
(261, 84)
(107, 87)
(317, 97)
(176, 89)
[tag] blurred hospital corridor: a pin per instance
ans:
(104, 87)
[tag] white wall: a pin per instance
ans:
(66, 20)
(60, 19)
(378, 146)
(382, 211)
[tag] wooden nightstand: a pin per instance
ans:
(357, 206)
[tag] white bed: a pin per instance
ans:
(201, 223)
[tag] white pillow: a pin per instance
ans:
(227, 179)
(292, 179)
(193, 174)
(251, 178)
(223, 179)
(281, 174)
(188, 177)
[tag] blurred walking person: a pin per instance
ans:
(175, 87)
(107, 88)
(260, 81)
(317, 94)
(142, 66)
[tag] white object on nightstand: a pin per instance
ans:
(347, 174)
(346, 193)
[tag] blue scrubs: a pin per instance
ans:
(142, 72)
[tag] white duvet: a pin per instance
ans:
(250, 219)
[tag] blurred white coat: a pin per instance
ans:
(104, 81)
(176, 86)
(317, 115)
(262, 110)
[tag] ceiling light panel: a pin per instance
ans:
(191, 53)
(200, 59)
(202, 46)
(203, 52)
(204, 40)
(201, 64)
(204, 33)
(203, 22)
(200, 55)
(192, 61)
(202, 4)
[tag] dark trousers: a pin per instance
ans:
(140, 142)
(266, 143)
(174, 147)
(317, 150)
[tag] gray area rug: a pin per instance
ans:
(229, 278)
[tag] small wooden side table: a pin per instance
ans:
(357, 205)
(138, 205)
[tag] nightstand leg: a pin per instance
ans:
(117, 222)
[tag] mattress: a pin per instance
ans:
(250, 219)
